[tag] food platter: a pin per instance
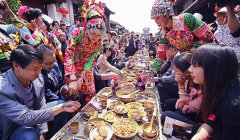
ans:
(134, 105)
(92, 123)
(121, 109)
(95, 132)
(114, 103)
(125, 128)
(107, 91)
(136, 115)
(111, 117)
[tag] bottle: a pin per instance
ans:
(115, 87)
(140, 84)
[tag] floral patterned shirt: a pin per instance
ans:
(186, 33)
(80, 57)
(224, 37)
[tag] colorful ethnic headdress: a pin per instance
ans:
(162, 7)
(92, 8)
(27, 13)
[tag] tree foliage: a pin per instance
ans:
(14, 5)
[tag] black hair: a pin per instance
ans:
(45, 49)
(24, 55)
(53, 23)
(32, 13)
(63, 24)
(106, 47)
(182, 61)
(220, 67)
(47, 24)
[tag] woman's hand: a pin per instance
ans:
(180, 79)
(34, 24)
(75, 86)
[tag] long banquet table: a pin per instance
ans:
(65, 134)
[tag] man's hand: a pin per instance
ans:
(71, 106)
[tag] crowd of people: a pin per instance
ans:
(198, 83)
(51, 70)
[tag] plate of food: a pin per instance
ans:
(89, 112)
(92, 123)
(121, 109)
(114, 103)
(102, 131)
(111, 117)
(125, 128)
(136, 115)
(134, 105)
(107, 91)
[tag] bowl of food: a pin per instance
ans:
(151, 134)
(140, 133)
(136, 115)
(125, 128)
(111, 117)
(126, 95)
(121, 109)
(134, 105)
(114, 103)
(74, 127)
(148, 105)
(102, 131)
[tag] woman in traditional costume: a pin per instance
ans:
(185, 32)
(83, 48)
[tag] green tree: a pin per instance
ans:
(14, 5)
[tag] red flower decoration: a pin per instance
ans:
(217, 8)
(212, 117)
(27, 37)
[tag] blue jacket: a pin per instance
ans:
(17, 110)
(53, 82)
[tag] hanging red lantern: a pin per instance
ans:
(217, 8)
(63, 11)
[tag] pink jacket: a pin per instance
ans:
(195, 102)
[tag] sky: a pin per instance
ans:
(134, 15)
